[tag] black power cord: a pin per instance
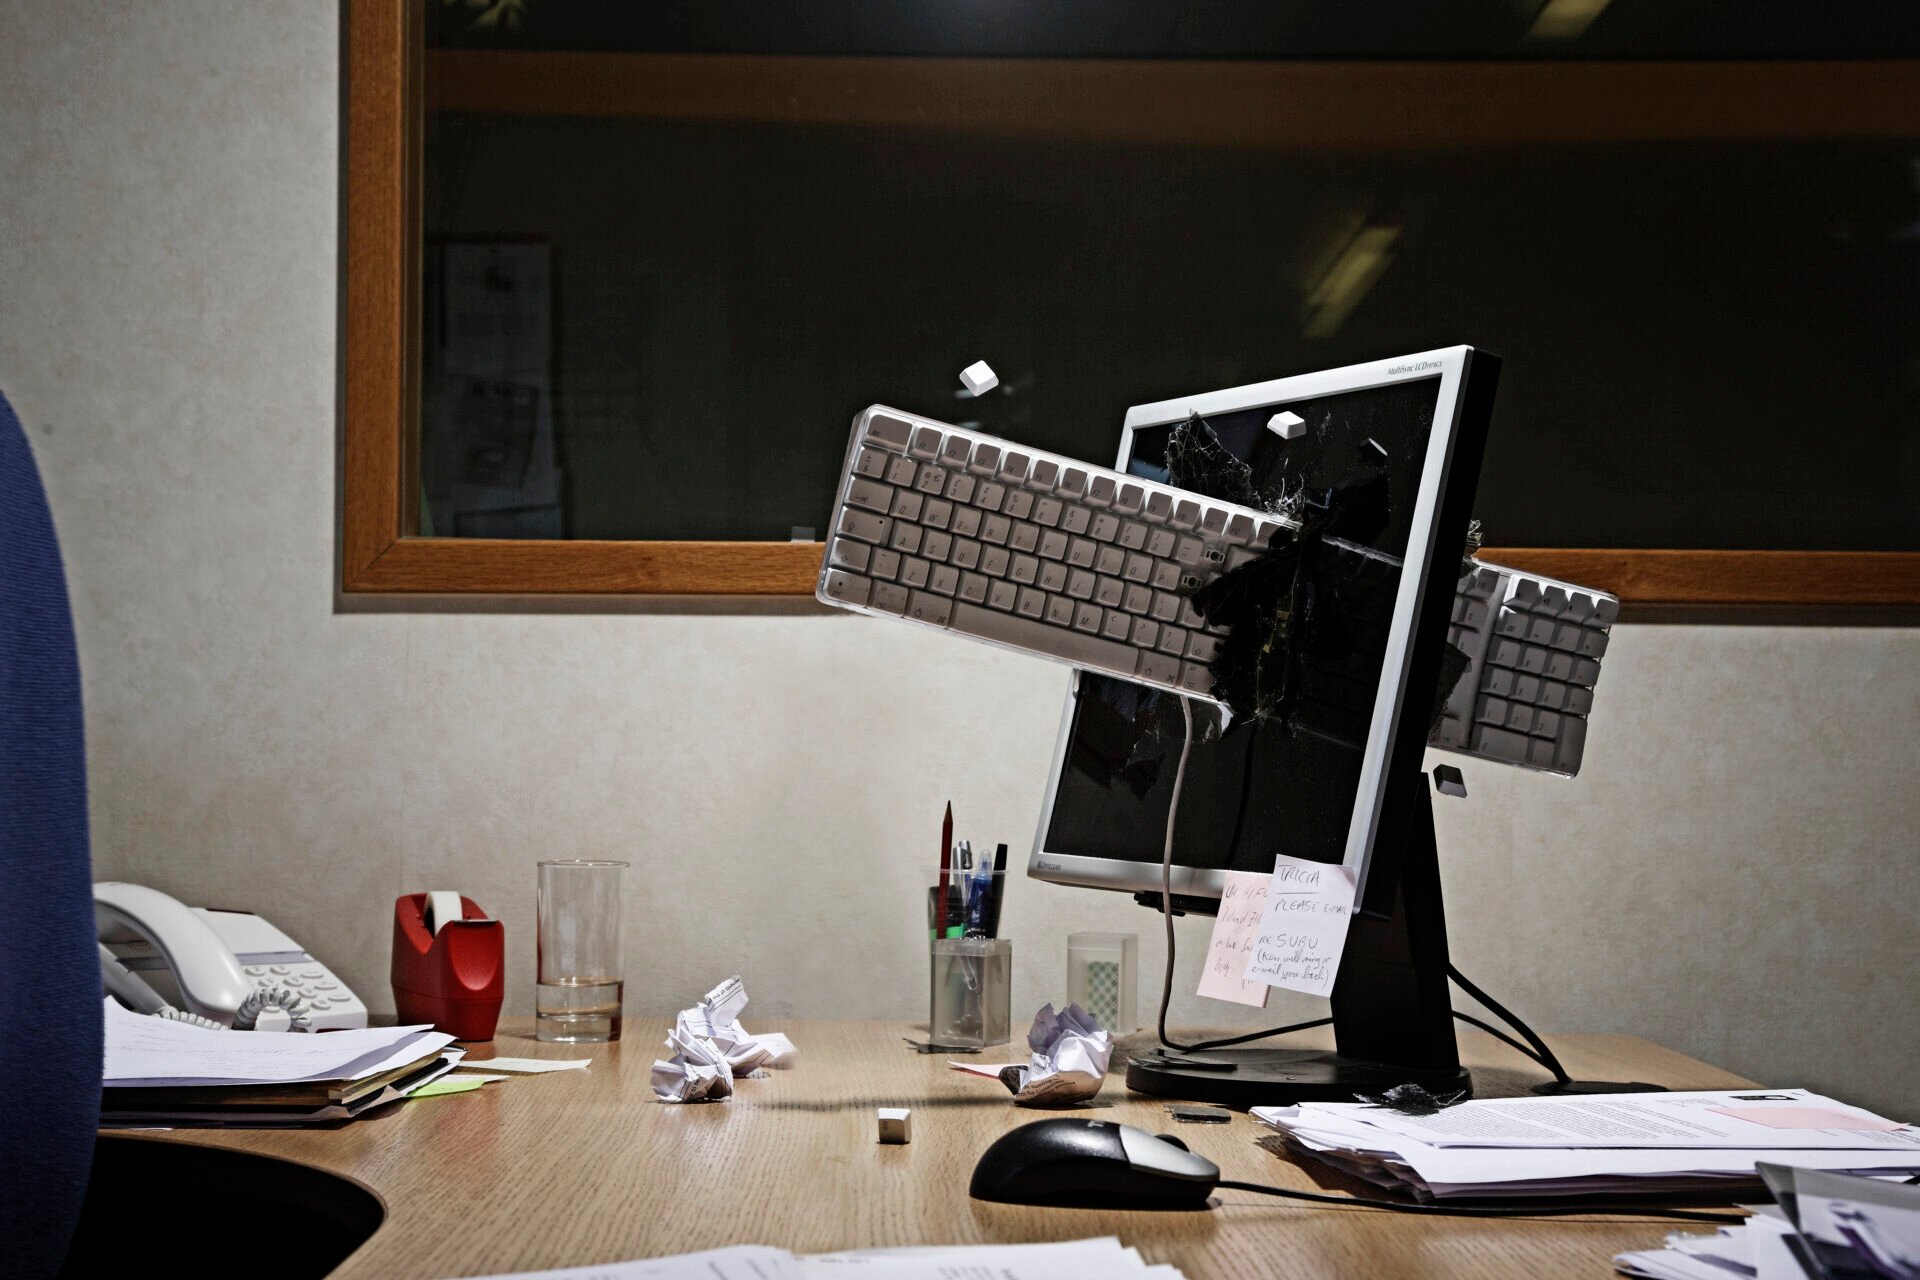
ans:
(1490, 1211)
(1535, 1048)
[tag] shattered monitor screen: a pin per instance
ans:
(1282, 776)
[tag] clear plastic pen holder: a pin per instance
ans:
(971, 1002)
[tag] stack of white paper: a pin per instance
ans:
(143, 1052)
(1104, 1259)
(1825, 1224)
(1610, 1143)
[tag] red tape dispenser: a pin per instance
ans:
(448, 963)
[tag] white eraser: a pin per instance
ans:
(896, 1125)
(443, 907)
(978, 378)
(1286, 424)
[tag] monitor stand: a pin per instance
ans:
(1392, 1012)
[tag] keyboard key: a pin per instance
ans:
(1109, 560)
(1166, 607)
(1519, 717)
(1159, 667)
(886, 564)
(959, 487)
(907, 504)
(1566, 636)
(1159, 504)
(1047, 512)
(1116, 625)
(932, 480)
(1032, 603)
(1585, 672)
(966, 522)
(1025, 569)
(846, 554)
(1025, 536)
(1139, 568)
(1593, 644)
(1554, 601)
(1501, 744)
(936, 545)
(1497, 681)
(1512, 623)
(1527, 689)
(926, 443)
(1080, 553)
(988, 496)
(1546, 724)
(924, 606)
(1053, 545)
(1044, 474)
(1166, 575)
(1001, 595)
(1553, 695)
(1534, 659)
(1202, 648)
(1540, 630)
(986, 459)
(1019, 504)
(1059, 611)
(973, 587)
(903, 472)
(1076, 519)
(1160, 544)
(1137, 600)
(1073, 483)
(1133, 535)
(914, 571)
(1214, 521)
(1082, 650)
(994, 561)
(1560, 666)
(1187, 551)
(1186, 513)
(1053, 576)
(965, 553)
(1129, 498)
(906, 537)
(1080, 584)
(937, 514)
(1109, 591)
(1146, 633)
(945, 580)
(871, 463)
(1579, 701)
(1240, 529)
(1571, 746)
(1086, 617)
(864, 525)
(890, 430)
(1606, 610)
(1106, 527)
(1492, 711)
(1173, 640)
(1013, 467)
(1540, 752)
(956, 451)
(995, 529)
(1101, 492)
(888, 597)
(1195, 678)
(848, 588)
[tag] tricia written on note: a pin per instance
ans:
(1243, 901)
(1303, 929)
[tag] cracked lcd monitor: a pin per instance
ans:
(1302, 778)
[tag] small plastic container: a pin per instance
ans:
(971, 1001)
(1102, 969)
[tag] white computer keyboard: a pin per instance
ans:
(998, 542)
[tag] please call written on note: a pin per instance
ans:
(1303, 929)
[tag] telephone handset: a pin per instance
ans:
(227, 968)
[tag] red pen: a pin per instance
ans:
(946, 866)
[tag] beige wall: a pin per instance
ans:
(1733, 873)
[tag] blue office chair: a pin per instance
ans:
(50, 996)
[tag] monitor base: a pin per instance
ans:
(1243, 1078)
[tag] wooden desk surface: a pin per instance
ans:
(585, 1166)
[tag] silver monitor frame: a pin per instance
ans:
(1450, 364)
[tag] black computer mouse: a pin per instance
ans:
(1092, 1164)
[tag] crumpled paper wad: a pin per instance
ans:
(711, 1049)
(1070, 1055)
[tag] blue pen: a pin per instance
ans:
(979, 909)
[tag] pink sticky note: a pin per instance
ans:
(1809, 1118)
(1242, 902)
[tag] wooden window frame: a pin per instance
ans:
(385, 103)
